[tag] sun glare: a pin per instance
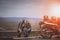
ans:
(55, 10)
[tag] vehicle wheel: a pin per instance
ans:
(45, 34)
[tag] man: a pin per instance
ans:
(27, 29)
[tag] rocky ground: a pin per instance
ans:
(34, 35)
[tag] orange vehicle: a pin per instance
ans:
(49, 29)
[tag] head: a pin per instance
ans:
(23, 20)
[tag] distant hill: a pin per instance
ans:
(11, 23)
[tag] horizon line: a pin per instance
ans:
(21, 17)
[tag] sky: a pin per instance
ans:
(24, 8)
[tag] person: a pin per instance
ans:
(27, 29)
(21, 27)
(24, 27)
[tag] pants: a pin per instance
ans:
(19, 34)
(27, 32)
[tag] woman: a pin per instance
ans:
(21, 27)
